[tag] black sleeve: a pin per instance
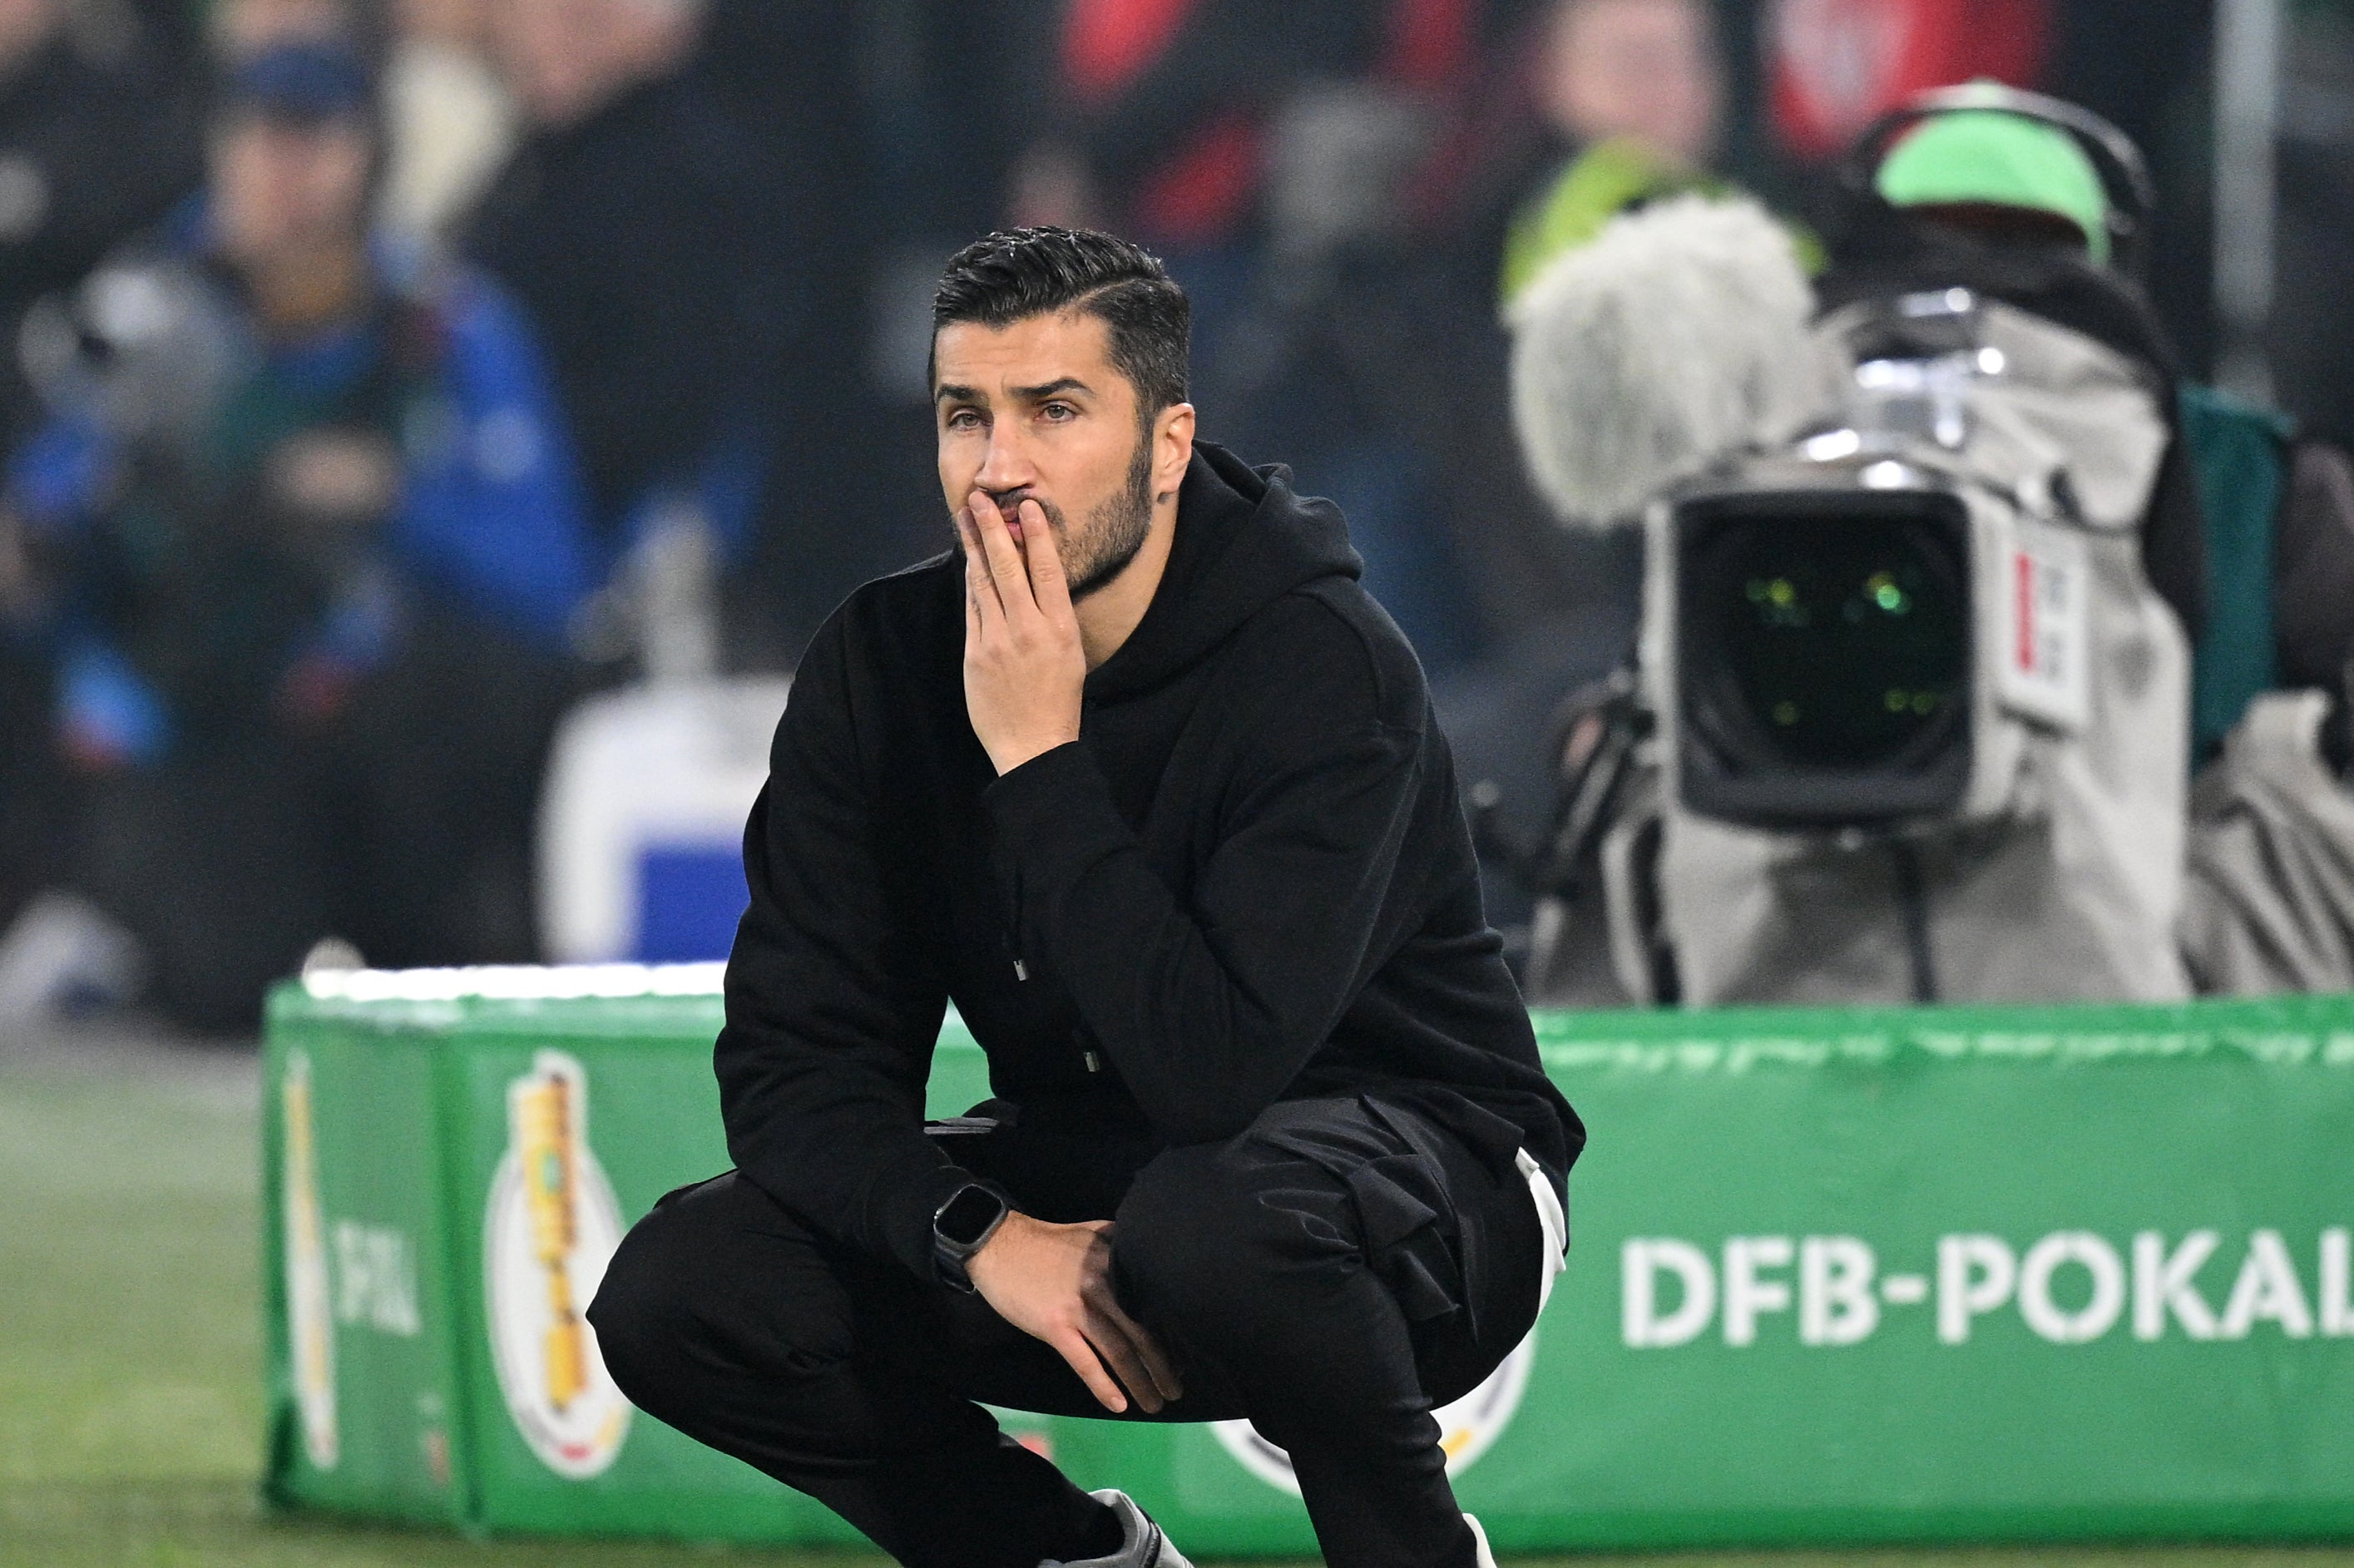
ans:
(1210, 1007)
(832, 1004)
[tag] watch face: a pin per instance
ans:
(967, 1216)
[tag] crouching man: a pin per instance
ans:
(1143, 780)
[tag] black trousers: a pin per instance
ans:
(1333, 1274)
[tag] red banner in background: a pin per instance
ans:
(1107, 43)
(1202, 192)
(1837, 64)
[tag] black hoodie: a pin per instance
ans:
(1249, 880)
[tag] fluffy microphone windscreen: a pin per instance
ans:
(1677, 338)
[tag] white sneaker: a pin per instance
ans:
(1142, 1544)
(1487, 1557)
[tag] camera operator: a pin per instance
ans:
(303, 534)
(1912, 717)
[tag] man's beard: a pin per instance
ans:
(1117, 529)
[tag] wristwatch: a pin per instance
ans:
(962, 1226)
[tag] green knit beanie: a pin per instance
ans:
(1992, 158)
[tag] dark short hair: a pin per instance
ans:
(1017, 273)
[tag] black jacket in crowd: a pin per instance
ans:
(1250, 880)
(649, 243)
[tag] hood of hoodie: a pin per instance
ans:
(1245, 539)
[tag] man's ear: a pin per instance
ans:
(1172, 448)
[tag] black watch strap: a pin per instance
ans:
(962, 1226)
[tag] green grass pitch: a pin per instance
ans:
(130, 1351)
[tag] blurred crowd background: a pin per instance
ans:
(378, 380)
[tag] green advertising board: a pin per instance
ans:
(1922, 1275)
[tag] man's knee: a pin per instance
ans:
(1208, 1233)
(719, 1315)
(644, 1310)
(677, 1312)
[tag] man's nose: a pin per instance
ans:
(1006, 466)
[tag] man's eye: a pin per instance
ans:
(1060, 411)
(964, 419)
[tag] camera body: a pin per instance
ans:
(1859, 643)
(1920, 718)
(1871, 626)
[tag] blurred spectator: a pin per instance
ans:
(888, 166)
(1645, 69)
(1620, 102)
(2032, 219)
(2244, 533)
(448, 117)
(644, 224)
(94, 146)
(304, 533)
(1162, 110)
(1633, 93)
(2250, 536)
(1594, 106)
(1268, 153)
(243, 28)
